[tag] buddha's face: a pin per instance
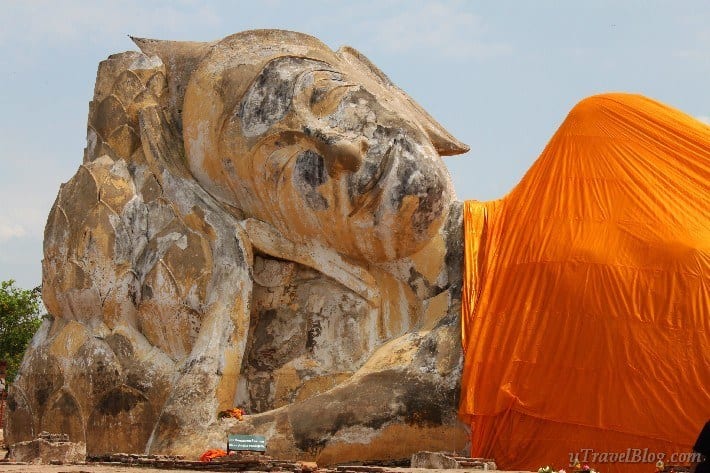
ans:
(308, 148)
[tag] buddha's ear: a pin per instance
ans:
(443, 141)
(181, 58)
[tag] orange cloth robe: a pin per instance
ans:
(586, 319)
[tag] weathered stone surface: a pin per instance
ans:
(434, 460)
(48, 448)
(260, 222)
(123, 417)
(449, 461)
(236, 461)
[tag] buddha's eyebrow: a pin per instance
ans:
(323, 69)
(337, 75)
(298, 86)
(321, 93)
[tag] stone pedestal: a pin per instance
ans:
(450, 461)
(54, 448)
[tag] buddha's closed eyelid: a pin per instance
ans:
(325, 99)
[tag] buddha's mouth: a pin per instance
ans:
(374, 187)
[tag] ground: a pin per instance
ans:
(6, 468)
(128, 469)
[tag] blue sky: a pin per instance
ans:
(500, 75)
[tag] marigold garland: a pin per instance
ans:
(211, 454)
(235, 413)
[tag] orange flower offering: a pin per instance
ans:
(236, 413)
(211, 454)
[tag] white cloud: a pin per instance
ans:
(39, 21)
(692, 54)
(29, 197)
(704, 118)
(11, 230)
(26, 220)
(444, 28)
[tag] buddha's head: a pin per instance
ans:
(320, 144)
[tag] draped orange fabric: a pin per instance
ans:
(586, 318)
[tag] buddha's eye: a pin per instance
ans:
(327, 92)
